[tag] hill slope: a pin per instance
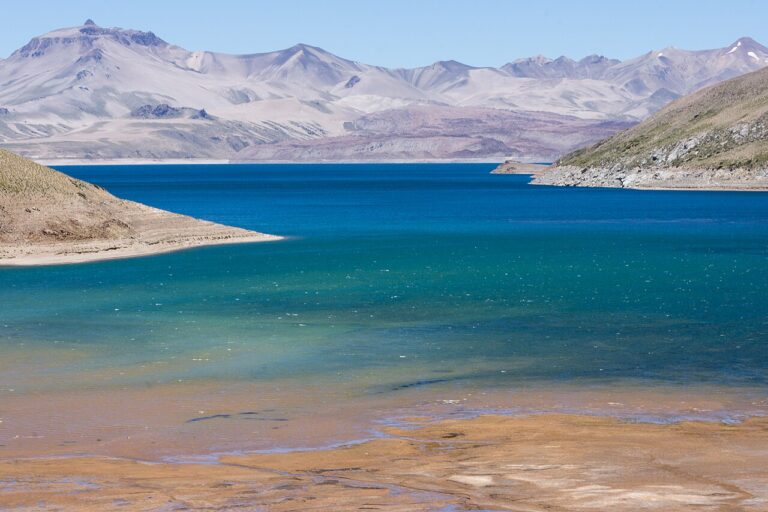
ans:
(47, 217)
(715, 138)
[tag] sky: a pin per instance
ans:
(409, 33)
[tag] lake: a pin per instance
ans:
(402, 289)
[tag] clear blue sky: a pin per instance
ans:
(409, 32)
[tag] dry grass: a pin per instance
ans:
(47, 216)
(22, 177)
(714, 117)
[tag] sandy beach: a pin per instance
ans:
(155, 232)
(527, 463)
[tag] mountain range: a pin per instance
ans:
(90, 92)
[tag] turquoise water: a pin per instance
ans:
(403, 276)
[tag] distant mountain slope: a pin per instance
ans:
(593, 66)
(49, 217)
(90, 92)
(714, 138)
(433, 132)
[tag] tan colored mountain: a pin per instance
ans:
(716, 138)
(47, 217)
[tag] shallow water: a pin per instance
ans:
(398, 278)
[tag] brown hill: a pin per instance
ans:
(716, 138)
(48, 217)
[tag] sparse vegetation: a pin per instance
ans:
(715, 138)
(47, 216)
(724, 125)
(42, 204)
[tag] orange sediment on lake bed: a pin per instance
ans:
(537, 462)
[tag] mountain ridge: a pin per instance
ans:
(71, 93)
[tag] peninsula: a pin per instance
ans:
(515, 167)
(714, 139)
(47, 217)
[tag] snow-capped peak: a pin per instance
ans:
(738, 45)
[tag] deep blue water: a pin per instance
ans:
(401, 275)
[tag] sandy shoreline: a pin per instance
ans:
(155, 232)
(524, 463)
(104, 251)
(88, 252)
